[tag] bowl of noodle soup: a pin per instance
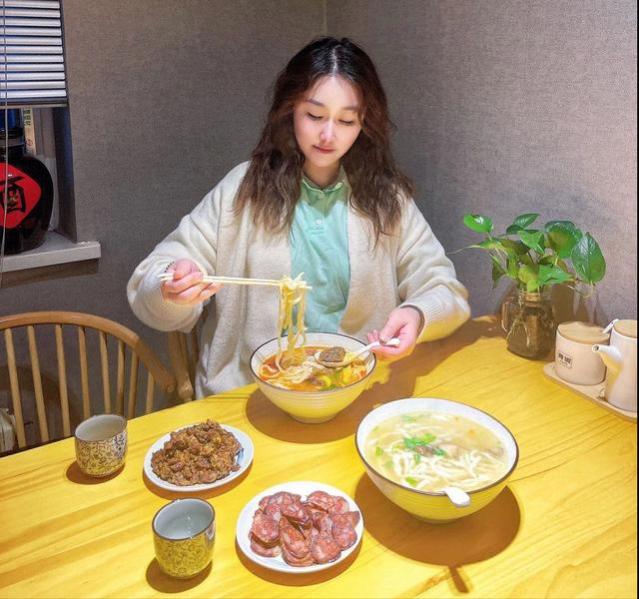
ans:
(302, 389)
(413, 448)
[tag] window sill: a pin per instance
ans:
(56, 249)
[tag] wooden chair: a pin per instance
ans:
(184, 351)
(129, 350)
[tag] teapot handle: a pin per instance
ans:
(610, 325)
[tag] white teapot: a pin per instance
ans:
(620, 358)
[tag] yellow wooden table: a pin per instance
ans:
(565, 526)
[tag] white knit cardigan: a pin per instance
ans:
(407, 268)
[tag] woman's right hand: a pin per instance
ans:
(186, 287)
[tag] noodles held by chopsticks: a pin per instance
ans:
(294, 365)
(292, 295)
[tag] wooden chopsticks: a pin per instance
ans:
(168, 276)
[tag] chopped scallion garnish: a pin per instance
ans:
(414, 442)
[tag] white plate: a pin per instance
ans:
(303, 488)
(244, 459)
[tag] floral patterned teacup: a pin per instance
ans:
(184, 535)
(100, 444)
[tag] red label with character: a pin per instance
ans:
(21, 196)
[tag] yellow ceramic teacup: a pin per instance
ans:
(100, 444)
(184, 535)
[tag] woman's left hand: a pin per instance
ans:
(403, 323)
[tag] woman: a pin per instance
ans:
(321, 195)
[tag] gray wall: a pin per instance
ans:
(505, 107)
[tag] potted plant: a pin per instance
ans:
(537, 259)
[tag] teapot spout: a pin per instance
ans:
(611, 356)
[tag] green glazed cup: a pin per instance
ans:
(184, 535)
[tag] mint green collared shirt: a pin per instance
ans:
(319, 249)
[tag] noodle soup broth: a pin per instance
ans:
(299, 371)
(317, 404)
(428, 451)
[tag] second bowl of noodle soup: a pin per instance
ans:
(304, 392)
(414, 448)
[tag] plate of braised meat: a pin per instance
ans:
(198, 457)
(299, 527)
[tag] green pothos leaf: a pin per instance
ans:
(529, 276)
(551, 275)
(562, 236)
(523, 221)
(533, 239)
(478, 223)
(587, 260)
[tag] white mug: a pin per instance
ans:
(620, 358)
(574, 361)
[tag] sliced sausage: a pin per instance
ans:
(292, 560)
(324, 523)
(324, 549)
(293, 540)
(340, 505)
(353, 517)
(274, 511)
(265, 528)
(343, 531)
(321, 500)
(279, 498)
(263, 550)
(297, 513)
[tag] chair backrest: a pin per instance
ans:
(184, 351)
(129, 350)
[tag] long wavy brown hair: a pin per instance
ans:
(271, 186)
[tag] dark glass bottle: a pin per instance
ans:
(28, 195)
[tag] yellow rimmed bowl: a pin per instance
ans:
(425, 505)
(313, 406)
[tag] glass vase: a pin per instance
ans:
(529, 322)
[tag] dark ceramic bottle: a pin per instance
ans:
(26, 194)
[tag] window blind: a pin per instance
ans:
(31, 53)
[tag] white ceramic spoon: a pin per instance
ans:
(350, 356)
(457, 497)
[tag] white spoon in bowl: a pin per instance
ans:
(350, 356)
(457, 497)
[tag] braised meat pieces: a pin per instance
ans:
(333, 354)
(198, 454)
(303, 532)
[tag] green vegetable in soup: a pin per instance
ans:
(325, 381)
(411, 481)
(414, 442)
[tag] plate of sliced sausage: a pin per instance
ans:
(299, 527)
